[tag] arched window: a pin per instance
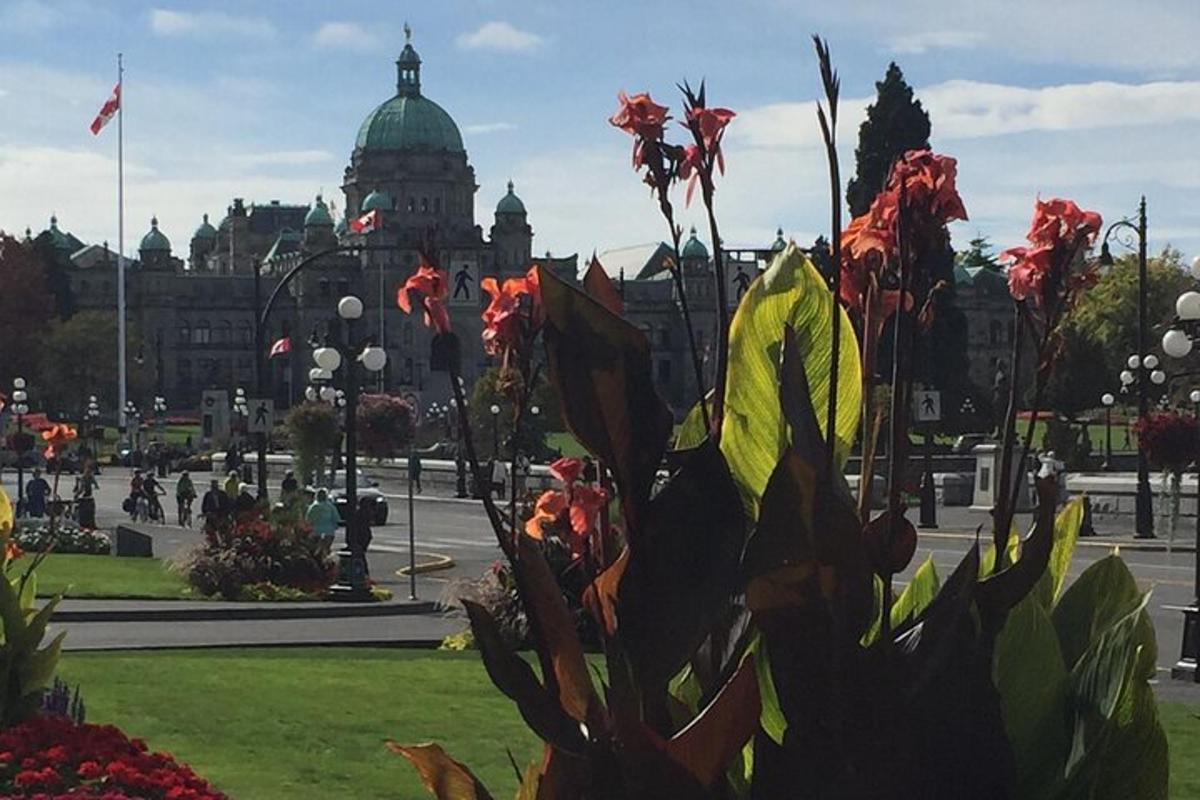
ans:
(203, 333)
(412, 205)
(424, 205)
(223, 333)
(246, 333)
(185, 333)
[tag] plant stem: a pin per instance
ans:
(706, 187)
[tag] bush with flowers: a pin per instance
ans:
(260, 554)
(65, 536)
(52, 757)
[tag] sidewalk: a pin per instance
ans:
(1112, 530)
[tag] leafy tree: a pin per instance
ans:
(385, 425)
(1084, 373)
(895, 123)
(979, 254)
(79, 358)
(534, 427)
(1108, 314)
(57, 263)
(26, 306)
(314, 432)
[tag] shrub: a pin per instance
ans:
(314, 432)
(52, 757)
(241, 554)
(385, 425)
(68, 538)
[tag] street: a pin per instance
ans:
(458, 529)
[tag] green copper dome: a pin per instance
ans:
(377, 200)
(205, 231)
(318, 215)
(57, 237)
(694, 248)
(409, 121)
(779, 244)
(155, 241)
(510, 203)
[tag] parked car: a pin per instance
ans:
(366, 487)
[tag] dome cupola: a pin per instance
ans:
(155, 241)
(206, 231)
(510, 203)
(694, 248)
(318, 215)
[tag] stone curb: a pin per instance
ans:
(1137, 545)
(435, 563)
(268, 611)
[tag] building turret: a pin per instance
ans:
(512, 238)
(204, 241)
(318, 226)
(155, 249)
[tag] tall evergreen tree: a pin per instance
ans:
(895, 123)
(979, 254)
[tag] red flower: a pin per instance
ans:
(710, 123)
(434, 288)
(89, 770)
(689, 170)
(549, 506)
(1059, 232)
(514, 313)
(57, 436)
(567, 470)
(586, 502)
(641, 117)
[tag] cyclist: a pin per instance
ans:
(151, 489)
(185, 493)
(135, 494)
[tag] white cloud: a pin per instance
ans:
(502, 37)
(345, 36)
(971, 109)
(207, 24)
(28, 16)
(924, 41)
(290, 158)
(482, 128)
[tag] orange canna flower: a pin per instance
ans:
(433, 285)
(549, 506)
(57, 436)
(505, 321)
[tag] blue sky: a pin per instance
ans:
(1098, 101)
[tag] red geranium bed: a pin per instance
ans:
(51, 757)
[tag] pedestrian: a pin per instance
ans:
(36, 492)
(499, 477)
(135, 493)
(233, 485)
(289, 489)
(215, 504)
(244, 499)
(414, 469)
(85, 502)
(232, 458)
(323, 515)
(185, 493)
(188, 448)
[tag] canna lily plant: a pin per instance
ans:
(752, 642)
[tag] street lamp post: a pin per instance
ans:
(134, 424)
(1145, 513)
(20, 408)
(347, 353)
(1177, 342)
(1141, 373)
(1107, 399)
(495, 409)
(92, 415)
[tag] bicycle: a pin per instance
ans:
(185, 512)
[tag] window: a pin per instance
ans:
(203, 333)
(323, 287)
(223, 333)
(424, 205)
(412, 205)
(185, 334)
(664, 336)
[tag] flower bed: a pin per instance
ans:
(69, 538)
(52, 757)
(241, 555)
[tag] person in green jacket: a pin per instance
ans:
(233, 485)
(323, 515)
(185, 493)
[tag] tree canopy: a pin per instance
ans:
(26, 307)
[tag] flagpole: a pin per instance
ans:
(121, 396)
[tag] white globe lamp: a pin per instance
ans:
(1176, 344)
(350, 307)
(327, 358)
(374, 358)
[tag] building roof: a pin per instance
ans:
(780, 243)
(637, 262)
(318, 214)
(287, 242)
(377, 200)
(510, 203)
(205, 231)
(694, 248)
(155, 241)
(409, 121)
(62, 241)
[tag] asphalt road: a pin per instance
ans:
(458, 529)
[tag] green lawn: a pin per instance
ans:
(109, 576)
(307, 723)
(312, 722)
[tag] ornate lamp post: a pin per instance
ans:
(92, 415)
(160, 411)
(495, 409)
(347, 354)
(1107, 399)
(1177, 343)
(20, 408)
(1142, 372)
(134, 423)
(1132, 230)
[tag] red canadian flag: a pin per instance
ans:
(280, 347)
(108, 110)
(367, 222)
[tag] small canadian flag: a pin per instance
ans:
(280, 347)
(367, 222)
(108, 110)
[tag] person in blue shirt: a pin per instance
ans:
(36, 492)
(323, 515)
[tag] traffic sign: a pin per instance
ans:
(262, 415)
(927, 405)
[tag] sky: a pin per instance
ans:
(1094, 100)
